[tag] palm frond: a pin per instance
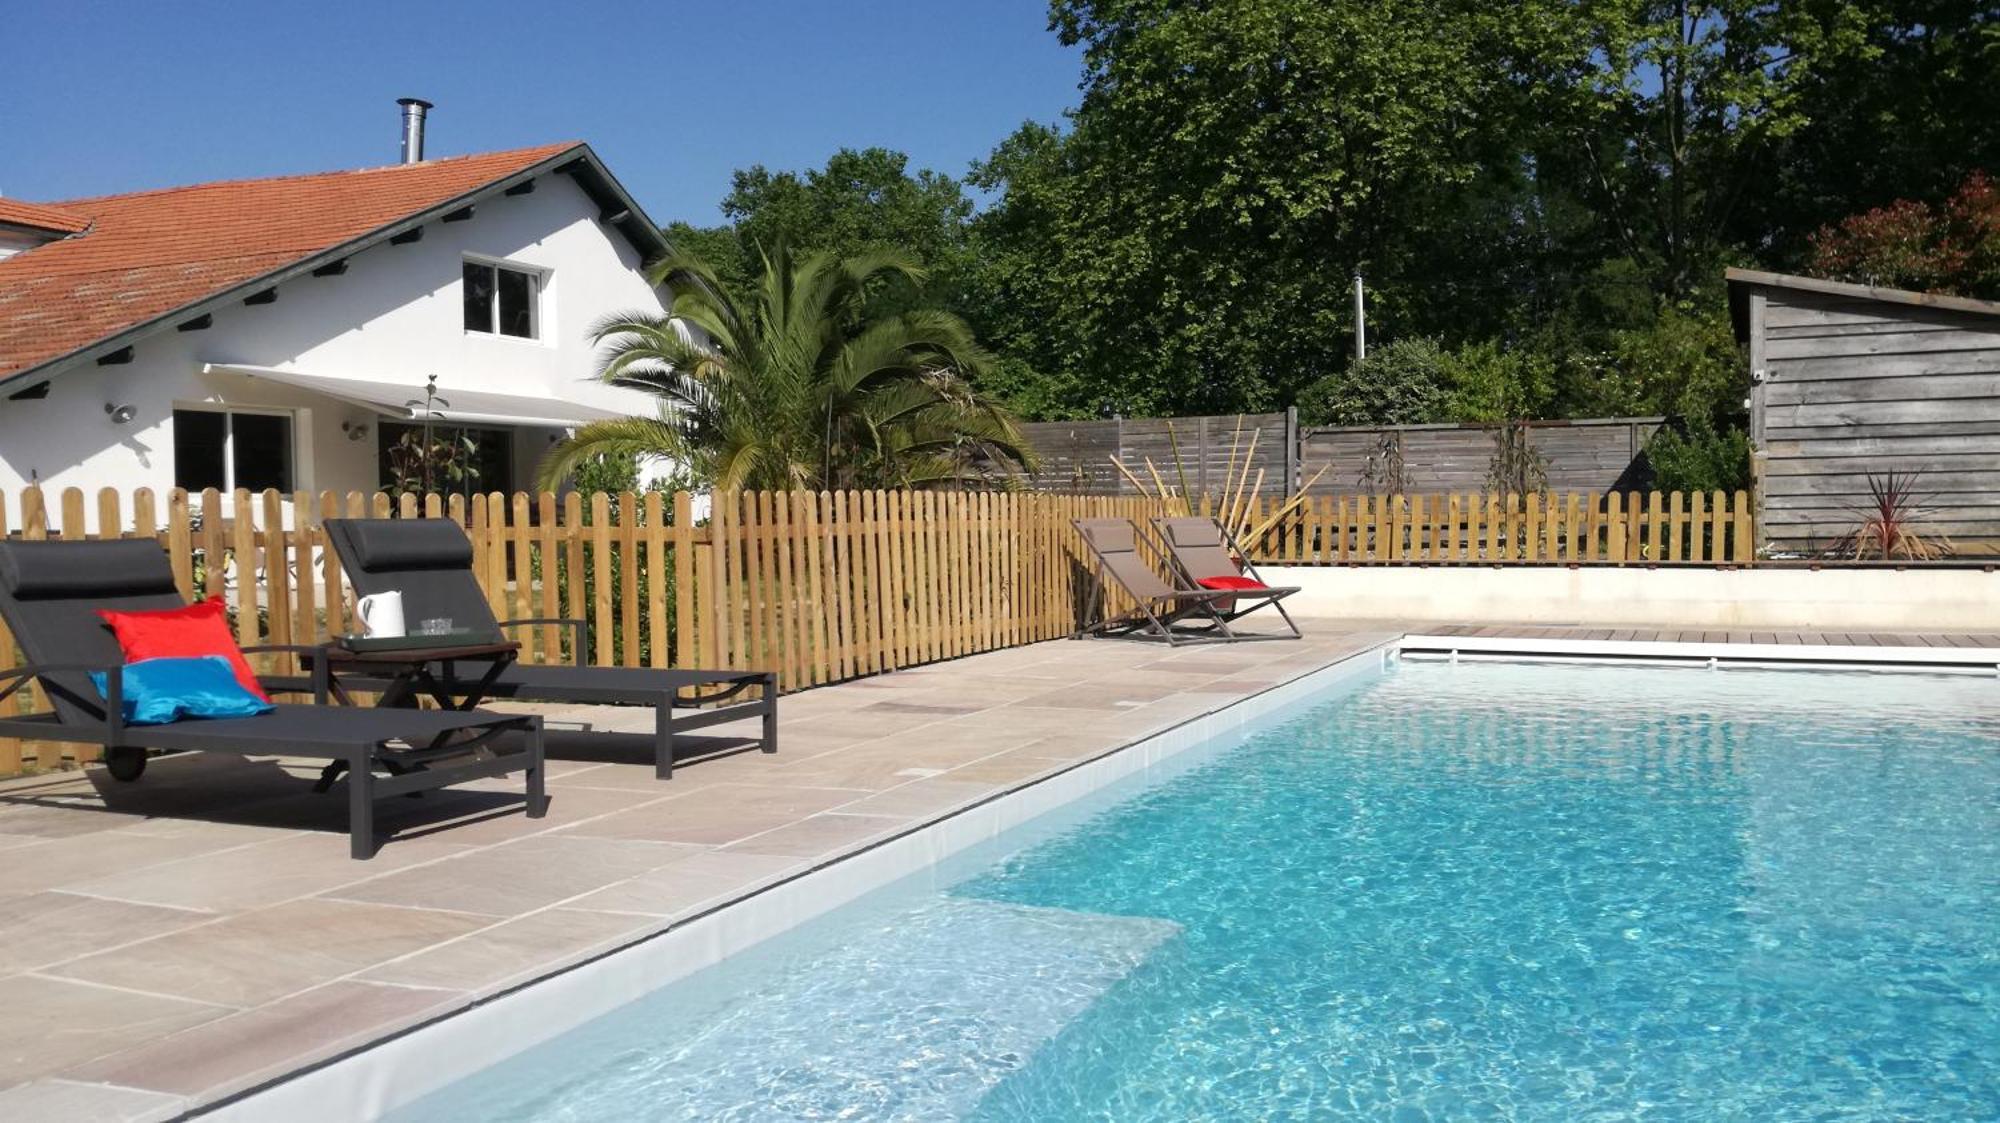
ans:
(643, 438)
(797, 383)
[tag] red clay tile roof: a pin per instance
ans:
(148, 253)
(13, 212)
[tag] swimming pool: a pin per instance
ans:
(1453, 891)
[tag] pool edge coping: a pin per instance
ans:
(1700, 653)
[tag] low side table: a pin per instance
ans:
(409, 673)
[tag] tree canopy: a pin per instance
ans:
(862, 201)
(1540, 195)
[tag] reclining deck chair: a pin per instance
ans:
(1207, 557)
(49, 596)
(429, 561)
(1159, 606)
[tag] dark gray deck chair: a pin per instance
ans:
(1199, 548)
(49, 596)
(1162, 611)
(429, 561)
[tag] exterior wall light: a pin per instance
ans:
(355, 430)
(121, 415)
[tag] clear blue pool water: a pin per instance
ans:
(1481, 891)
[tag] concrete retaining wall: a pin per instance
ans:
(1836, 600)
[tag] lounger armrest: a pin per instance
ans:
(1201, 594)
(31, 670)
(14, 678)
(578, 628)
(310, 650)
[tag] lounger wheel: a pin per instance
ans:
(126, 764)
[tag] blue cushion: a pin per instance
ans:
(157, 691)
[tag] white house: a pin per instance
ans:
(272, 333)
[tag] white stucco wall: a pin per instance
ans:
(394, 316)
(1833, 599)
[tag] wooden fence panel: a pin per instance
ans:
(820, 587)
(1494, 528)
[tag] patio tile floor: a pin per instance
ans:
(193, 935)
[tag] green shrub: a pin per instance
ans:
(1401, 384)
(1490, 383)
(1699, 457)
(609, 474)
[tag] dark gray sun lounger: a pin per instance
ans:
(1199, 548)
(1160, 608)
(49, 596)
(429, 561)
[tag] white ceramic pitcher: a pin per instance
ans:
(381, 613)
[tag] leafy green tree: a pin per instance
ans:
(1549, 189)
(1546, 174)
(1186, 245)
(1898, 118)
(862, 201)
(719, 246)
(799, 383)
(1672, 107)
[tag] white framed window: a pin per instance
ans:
(502, 299)
(226, 449)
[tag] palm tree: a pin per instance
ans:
(805, 387)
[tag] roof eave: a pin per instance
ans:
(1742, 280)
(49, 233)
(637, 228)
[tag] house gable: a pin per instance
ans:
(381, 310)
(154, 260)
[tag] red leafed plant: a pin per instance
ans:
(1889, 527)
(1950, 247)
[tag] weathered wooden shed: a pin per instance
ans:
(1849, 380)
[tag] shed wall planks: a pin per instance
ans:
(1852, 387)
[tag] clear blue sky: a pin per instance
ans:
(104, 97)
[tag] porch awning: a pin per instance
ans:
(468, 407)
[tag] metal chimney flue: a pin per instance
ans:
(414, 109)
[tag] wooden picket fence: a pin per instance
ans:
(816, 586)
(1606, 528)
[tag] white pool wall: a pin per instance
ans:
(1790, 598)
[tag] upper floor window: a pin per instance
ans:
(230, 449)
(502, 299)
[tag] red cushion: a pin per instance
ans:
(1230, 583)
(201, 628)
